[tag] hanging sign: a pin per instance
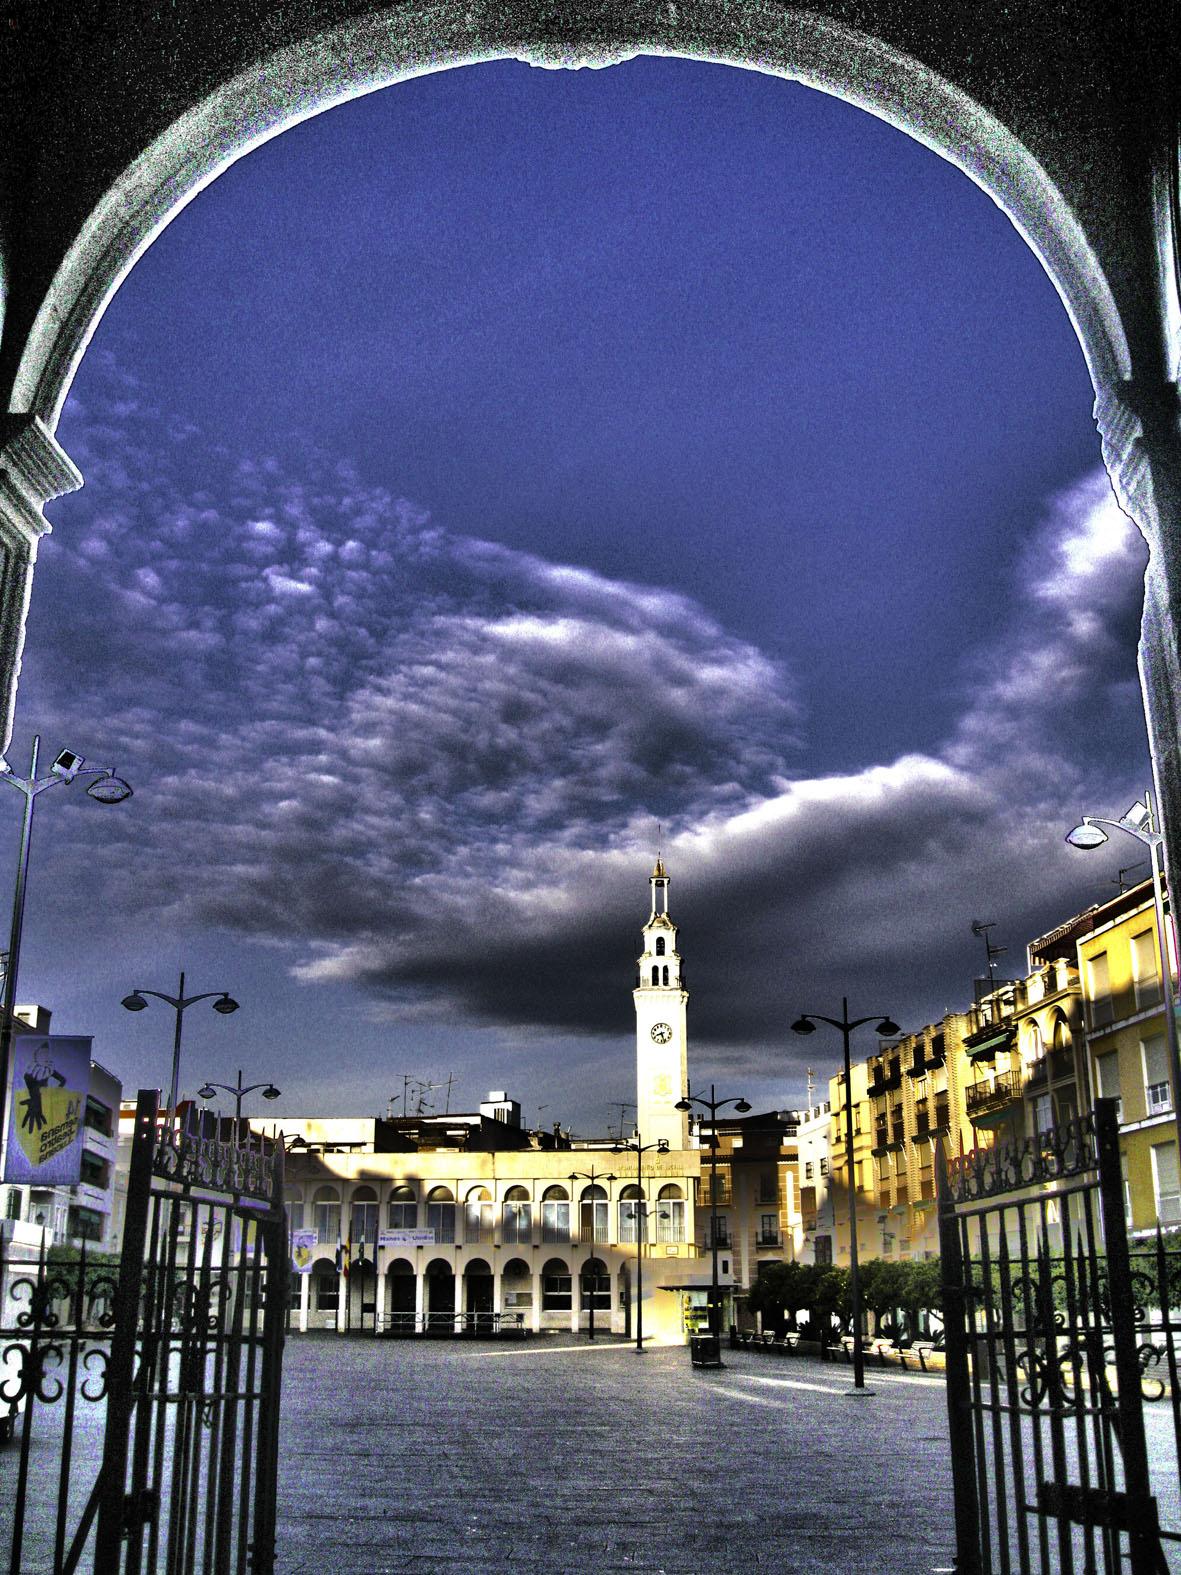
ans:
(302, 1243)
(50, 1081)
(406, 1238)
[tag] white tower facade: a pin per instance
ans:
(660, 995)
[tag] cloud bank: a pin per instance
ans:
(433, 768)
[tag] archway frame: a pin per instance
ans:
(1111, 257)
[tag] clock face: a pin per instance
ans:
(662, 1033)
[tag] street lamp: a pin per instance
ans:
(269, 1091)
(639, 1150)
(713, 1105)
(223, 1002)
(594, 1177)
(1140, 822)
(805, 1025)
(105, 788)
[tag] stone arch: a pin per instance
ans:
(1105, 251)
(330, 65)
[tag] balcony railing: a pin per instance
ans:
(983, 1097)
(769, 1238)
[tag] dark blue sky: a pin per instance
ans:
(558, 452)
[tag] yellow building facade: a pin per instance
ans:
(1127, 1048)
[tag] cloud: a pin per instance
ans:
(433, 767)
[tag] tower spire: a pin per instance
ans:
(660, 998)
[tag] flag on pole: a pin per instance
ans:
(339, 1259)
(348, 1255)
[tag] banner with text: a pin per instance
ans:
(50, 1081)
(406, 1238)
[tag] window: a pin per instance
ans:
(655, 974)
(1166, 1183)
(557, 1286)
(824, 1167)
(1099, 989)
(86, 1223)
(555, 1215)
(1043, 1115)
(670, 1214)
(595, 1286)
(516, 1227)
(660, 946)
(478, 1214)
(768, 1230)
(1034, 1048)
(327, 1289)
(12, 1209)
(440, 1213)
(592, 1216)
(402, 1211)
(98, 1116)
(1157, 1093)
(326, 1215)
(93, 1171)
(293, 1198)
(1145, 973)
(631, 1208)
(807, 1170)
(666, 973)
(1107, 1080)
(363, 1215)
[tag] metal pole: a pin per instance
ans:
(14, 947)
(640, 1222)
(851, 1173)
(714, 1311)
(174, 1087)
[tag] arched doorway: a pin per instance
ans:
(400, 1297)
(440, 1297)
(324, 1295)
(477, 1297)
(516, 1294)
(594, 1286)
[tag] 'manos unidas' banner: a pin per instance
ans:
(50, 1080)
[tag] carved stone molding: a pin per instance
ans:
(33, 469)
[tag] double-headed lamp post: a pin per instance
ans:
(639, 1149)
(594, 1177)
(106, 788)
(713, 1105)
(223, 1002)
(239, 1091)
(1140, 822)
(806, 1024)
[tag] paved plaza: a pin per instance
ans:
(552, 1457)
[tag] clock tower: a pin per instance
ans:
(661, 1040)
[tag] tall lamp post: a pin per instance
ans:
(223, 1002)
(594, 1177)
(805, 1024)
(639, 1150)
(106, 788)
(713, 1105)
(1140, 822)
(269, 1091)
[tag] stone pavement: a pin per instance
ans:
(551, 1457)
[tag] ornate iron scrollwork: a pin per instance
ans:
(1064, 1151)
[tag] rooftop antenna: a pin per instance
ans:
(1127, 870)
(540, 1108)
(623, 1106)
(991, 952)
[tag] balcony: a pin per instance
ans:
(769, 1238)
(991, 1099)
(988, 1041)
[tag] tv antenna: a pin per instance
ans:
(991, 952)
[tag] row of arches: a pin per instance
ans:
(478, 1219)
(443, 1297)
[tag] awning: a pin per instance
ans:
(990, 1043)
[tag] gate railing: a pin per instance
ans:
(1057, 1338)
(156, 1386)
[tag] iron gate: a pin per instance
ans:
(1062, 1363)
(149, 1395)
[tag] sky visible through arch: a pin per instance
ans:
(493, 470)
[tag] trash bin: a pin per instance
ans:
(705, 1350)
